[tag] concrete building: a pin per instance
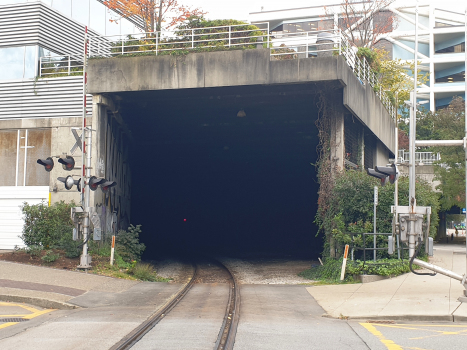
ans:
(41, 101)
(38, 107)
(441, 40)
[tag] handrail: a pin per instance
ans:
(239, 36)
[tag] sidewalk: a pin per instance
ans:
(406, 297)
(57, 289)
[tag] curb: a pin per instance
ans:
(44, 303)
(428, 318)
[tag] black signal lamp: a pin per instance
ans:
(68, 163)
(107, 185)
(47, 163)
(94, 182)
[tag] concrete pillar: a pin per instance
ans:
(362, 149)
(337, 141)
(381, 155)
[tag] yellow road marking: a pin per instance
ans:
(34, 313)
(388, 343)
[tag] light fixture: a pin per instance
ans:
(241, 113)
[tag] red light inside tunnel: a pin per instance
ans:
(184, 220)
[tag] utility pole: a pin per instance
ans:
(85, 261)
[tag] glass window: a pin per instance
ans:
(80, 11)
(97, 20)
(64, 6)
(453, 49)
(30, 62)
(12, 59)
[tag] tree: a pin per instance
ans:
(447, 124)
(154, 13)
(364, 22)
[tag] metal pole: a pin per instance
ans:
(86, 159)
(25, 156)
(465, 128)
(375, 203)
(17, 156)
(413, 115)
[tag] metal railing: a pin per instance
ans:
(54, 66)
(322, 43)
(233, 36)
(420, 157)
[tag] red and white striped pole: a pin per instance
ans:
(112, 251)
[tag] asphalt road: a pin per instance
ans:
(272, 317)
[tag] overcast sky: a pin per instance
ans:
(239, 9)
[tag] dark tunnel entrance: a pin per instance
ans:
(206, 177)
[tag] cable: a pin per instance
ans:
(412, 259)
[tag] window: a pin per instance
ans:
(18, 62)
(453, 49)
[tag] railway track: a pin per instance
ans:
(228, 329)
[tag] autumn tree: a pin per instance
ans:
(364, 22)
(156, 14)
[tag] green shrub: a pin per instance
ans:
(144, 272)
(34, 250)
(127, 244)
(329, 272)
(48, 227)
(50, 256)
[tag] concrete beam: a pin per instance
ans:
(240, 68)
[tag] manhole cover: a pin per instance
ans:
(12, 319)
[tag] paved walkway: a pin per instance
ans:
(406, 297)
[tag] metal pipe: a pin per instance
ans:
(431, 143)
(465, 122)
(25, 156)
(438, 269)
(413, 130)
(17, 156)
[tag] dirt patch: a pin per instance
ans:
(22, 257)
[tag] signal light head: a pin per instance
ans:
(47, 163)
(378, 175)
(391, 171)
(69, 182)
(68, 163)
(94, 182)
(107, 185)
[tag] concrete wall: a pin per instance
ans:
(425, 172)
(50, 137)
(239, 68)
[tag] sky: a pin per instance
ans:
(239, 9)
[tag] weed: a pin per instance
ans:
(50, 256)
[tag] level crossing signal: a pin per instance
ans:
(70, 182)
(68, 163)
(47, 163)
(385, 173)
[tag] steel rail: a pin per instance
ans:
(134, 336)
(226, 337)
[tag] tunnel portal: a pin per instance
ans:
(224, 170)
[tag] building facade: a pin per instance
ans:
(41, 101)
(441, 49)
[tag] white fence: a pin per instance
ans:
(322, 43)
(11, 216)
(427, 158)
